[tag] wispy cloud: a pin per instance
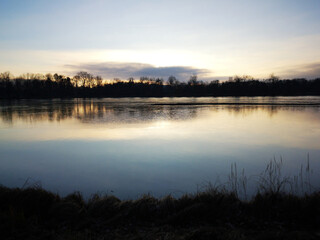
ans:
(110, 70)
(310, 70)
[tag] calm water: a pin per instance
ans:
(132, 146)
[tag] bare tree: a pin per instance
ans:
(172, 80)
(159, 81)
(5, 76)
(49, 76)
(131, 80)
(98, 81)
(144, 80)
(273, 78)
(243, 78)
(193, 80)
(57, 78)
(84, 79)
(76, 80)
(91, 81)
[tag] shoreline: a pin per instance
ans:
(212, 213)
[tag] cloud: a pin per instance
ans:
(309, 71)
(110, 70)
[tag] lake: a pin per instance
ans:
(134, 146)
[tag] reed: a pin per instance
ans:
(27, 211)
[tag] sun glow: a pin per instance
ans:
(257, 59)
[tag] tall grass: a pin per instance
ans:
(29, 209)
(271, 180)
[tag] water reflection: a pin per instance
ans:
(92, 112)
(140, 110)
(134, 146)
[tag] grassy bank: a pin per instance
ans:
(35, 213)
(282, 208)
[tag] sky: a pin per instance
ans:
(158, 38)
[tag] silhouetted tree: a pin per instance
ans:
(5, 76)
(98, 81)
(159, 81)
(144, 80)
(172, 81)
(76, 81)
(273, 78)
(193, 80)
(84, 78)
(47, 86)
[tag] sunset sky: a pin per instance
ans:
(118, 39)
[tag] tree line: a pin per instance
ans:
(84, 84)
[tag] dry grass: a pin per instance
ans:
(33, 211)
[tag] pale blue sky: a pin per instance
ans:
(212, 38)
